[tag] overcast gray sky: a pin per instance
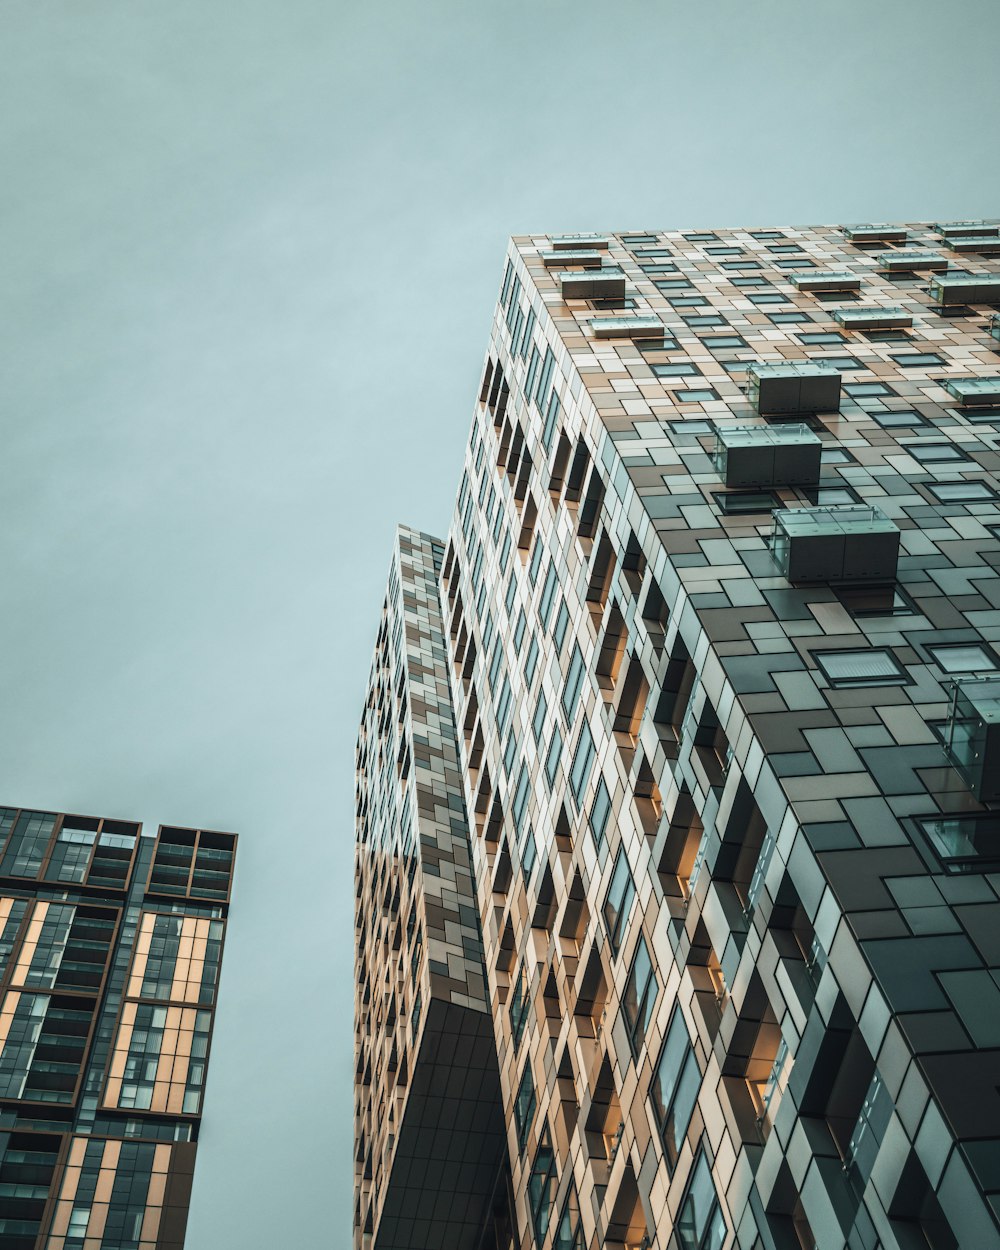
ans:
(249, 257)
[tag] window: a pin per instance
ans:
(553, 755)
(746, 502)
(871, 667)
(832, 496)
(630, 239)
(659, 267)
(674, 284)
(875, 601)
(639, 997)
(551, 416)
(574, 684)
(843, 363)
(519, 628)
(741, 264)
(703, 320)
(548, 593)
(536, 561)
(704, 236)
(528, 851)
(562, 623)
(674, 1087)
(520, 802)
(538, 723)
(615, 911)
(788, 318)
(687, 301)
(583, 759)
(544, 377)
(678, 369)
(700, 1225)
(886, 336)
(754, 279)
(599, 812)
(912, 360)
(819, 339)
(961, 492)
(965, 843)
(532, 370)
(899, 418)
(531, 662)
(569, 1233)
(935, 453)
(769, 297)
(864, 390)
(723, 251)
(715, 342)
(837, 455)
(965, 657)
(524, 1105)
(542, 1187)
(519, 1004)
(702, 396)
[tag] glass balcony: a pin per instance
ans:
(627, 327)
(792, 387)
(984, 244)
(862, 317)
(965, 288)
(995, 327)
(870, 233)
(964, 229)
(853, 543)
(590, 258)
(825, 280)
(972, 734)
(767, 455)
(971, 392)
(593, 284)
(905, 260)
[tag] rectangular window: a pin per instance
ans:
(899, 418)
(519, 629)
(553, 756)
(544, 378)
(865, 390)
(569, 1231)
(519, 1004)
(704, 320)
(528, 852)
(574, 684)
(746, 502)
(965, 843)
(961, 492)
(788, 318)
(536, 560)
(496, 663)
(674, 1087)
(529, 329)
(913, 360)
(616, 907)
(533, 364)
(700, 1225)
(966, 657)
(870, 667)
(875, 601)
(599, 812)
(639, 997)
(675, 369)
(935, 453)
(538, 723)
(583, 759)
(702, 396)
(511, 595)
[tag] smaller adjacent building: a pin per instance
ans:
(110, 949)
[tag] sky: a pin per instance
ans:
(249, 254)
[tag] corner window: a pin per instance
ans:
(870, 667)
(616, 907)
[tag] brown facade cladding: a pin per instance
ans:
(110, 948)
(428, 1138)
(722, 608)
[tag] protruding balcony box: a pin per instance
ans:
(767, 455)
(909, 260)
(825, 280)
(872, 317)
(853, 543)
(965, 229)
(972, 735)
(588, 257)
(577, 242)
(593, 284)
(981, 244)
(971, 392)
(794, 386)
(627, 327)
(965, 288)
(875, 234)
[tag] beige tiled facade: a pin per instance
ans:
(730, 767)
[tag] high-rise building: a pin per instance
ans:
(721, 603)
(110, 947)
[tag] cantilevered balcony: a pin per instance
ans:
(793, 386)
(853, 543)
(767, 455)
